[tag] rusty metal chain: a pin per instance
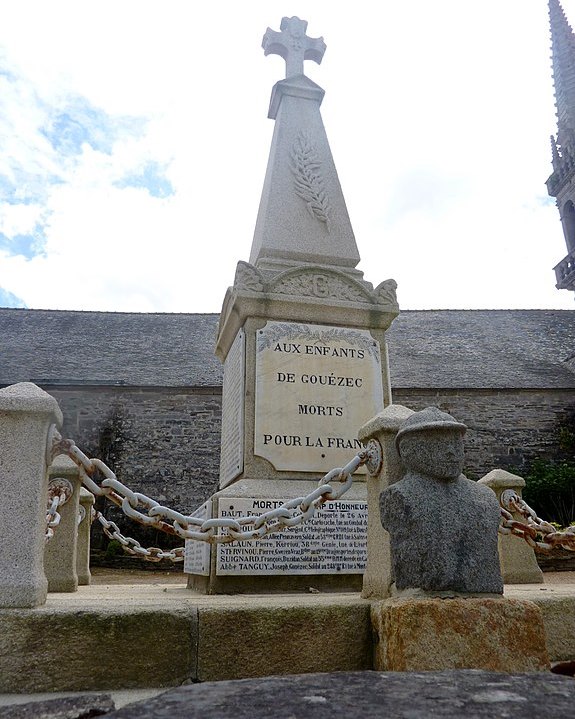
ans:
(59, 492)
(214, 531)
(132, 546)
(533, 527)
(52, 517)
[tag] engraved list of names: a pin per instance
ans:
(315, 387)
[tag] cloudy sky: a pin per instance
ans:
(134, 142)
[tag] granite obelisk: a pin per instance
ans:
(302, 339)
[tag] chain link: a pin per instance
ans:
(132, 546)
(59, 492)
(213, 531)
(533, 527)
(52, 517)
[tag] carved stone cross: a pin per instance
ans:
(293, 45)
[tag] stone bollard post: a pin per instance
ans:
(26, 415)
(60, 552)
(448, 610)
(83, 544)
(517, 558)
(377, 578)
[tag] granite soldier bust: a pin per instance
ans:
(443, 526)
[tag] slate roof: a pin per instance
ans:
(427, 348)
(64, 347)
(483, 349)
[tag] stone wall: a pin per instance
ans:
(506, 428)
(164, 442)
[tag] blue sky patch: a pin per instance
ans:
(7, 299)
(150, 178)
(29, 245)
(26, 188)
(80, 122)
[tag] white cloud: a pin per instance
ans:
(438, 116)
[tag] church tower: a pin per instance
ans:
(561, 184)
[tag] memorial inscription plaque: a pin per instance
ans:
(315, 385)
(232, 451)
(197, 554)
(334, 541)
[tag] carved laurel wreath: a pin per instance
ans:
(308, 180)
(282, 331)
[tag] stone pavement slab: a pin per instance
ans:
(450, 695)
(77, 707)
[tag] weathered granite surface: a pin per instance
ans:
(26, 413)
(443, 527)
(493, 634)
(78, 707)
(450, 695)
(113, 645)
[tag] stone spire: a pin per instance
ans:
(563, 57)
(302, 217)
(560, 184)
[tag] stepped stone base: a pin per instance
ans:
(107, 637)
(504, 635)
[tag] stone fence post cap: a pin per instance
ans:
(86, 495)
(388, 420)
(429, 418)
(65, 466)
(501, 479)
(28, 397)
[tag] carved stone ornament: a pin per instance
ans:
(386, 292)
(314, 283)
(248, 278)
(309, 182)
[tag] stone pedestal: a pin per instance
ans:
(83, 542)
(60, 554)
(377, 578)
(300, 376)
(26, 414)
(517, 558)
(503, 635)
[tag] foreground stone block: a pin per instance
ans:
(503, 635)
(77, 707)
(289, 639)
(99, 649)
(559, 619)
(369, 695)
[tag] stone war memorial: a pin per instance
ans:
(302, 339)
(344, 536)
